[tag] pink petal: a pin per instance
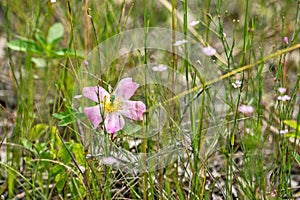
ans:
(93, 113)
(246, 109)
(133, 110)
(281, 90)
(126, 88)
(114, 122)
(286, 40)
(94, 92)
(86, 63)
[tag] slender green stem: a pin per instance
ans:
(145, 142)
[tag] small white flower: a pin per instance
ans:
(179, 43)
(281, 90)
(237, 84)
(77, 96)
(284, 131)
(280, 98)
(209, 51)
(194, 23)
(53, 1)
(134, 143)
(284, 98)
(160, 68)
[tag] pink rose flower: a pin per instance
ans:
(114, 106)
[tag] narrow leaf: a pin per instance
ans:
(297, 157)
(60, 115)
(291, 123)
(61, 180)
(23, 45)
(66, 121)
(70, 53)
(292, 135)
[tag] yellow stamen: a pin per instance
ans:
(111, 106)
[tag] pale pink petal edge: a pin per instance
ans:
(126, 88)
(114, 122)
(133, 109)
(94, 115)
(94, 92)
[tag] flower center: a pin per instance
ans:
(111, 104)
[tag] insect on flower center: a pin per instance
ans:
(111, 104)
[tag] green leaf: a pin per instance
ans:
(64, 155)
(55, 139)
(67, 117)
(57, 169)
(66, 121)
(297, 157)
(292, 135)
(61, 181)
(37, 131)
(77, 188)
(39, 62)
(60, 115)
(27, 144)
(79, 153)
(24, 45)
(71, 53)
(39, 38)
(55, 33)
(68, 52)
(291, 123)
(41, 147)
(79, 115)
